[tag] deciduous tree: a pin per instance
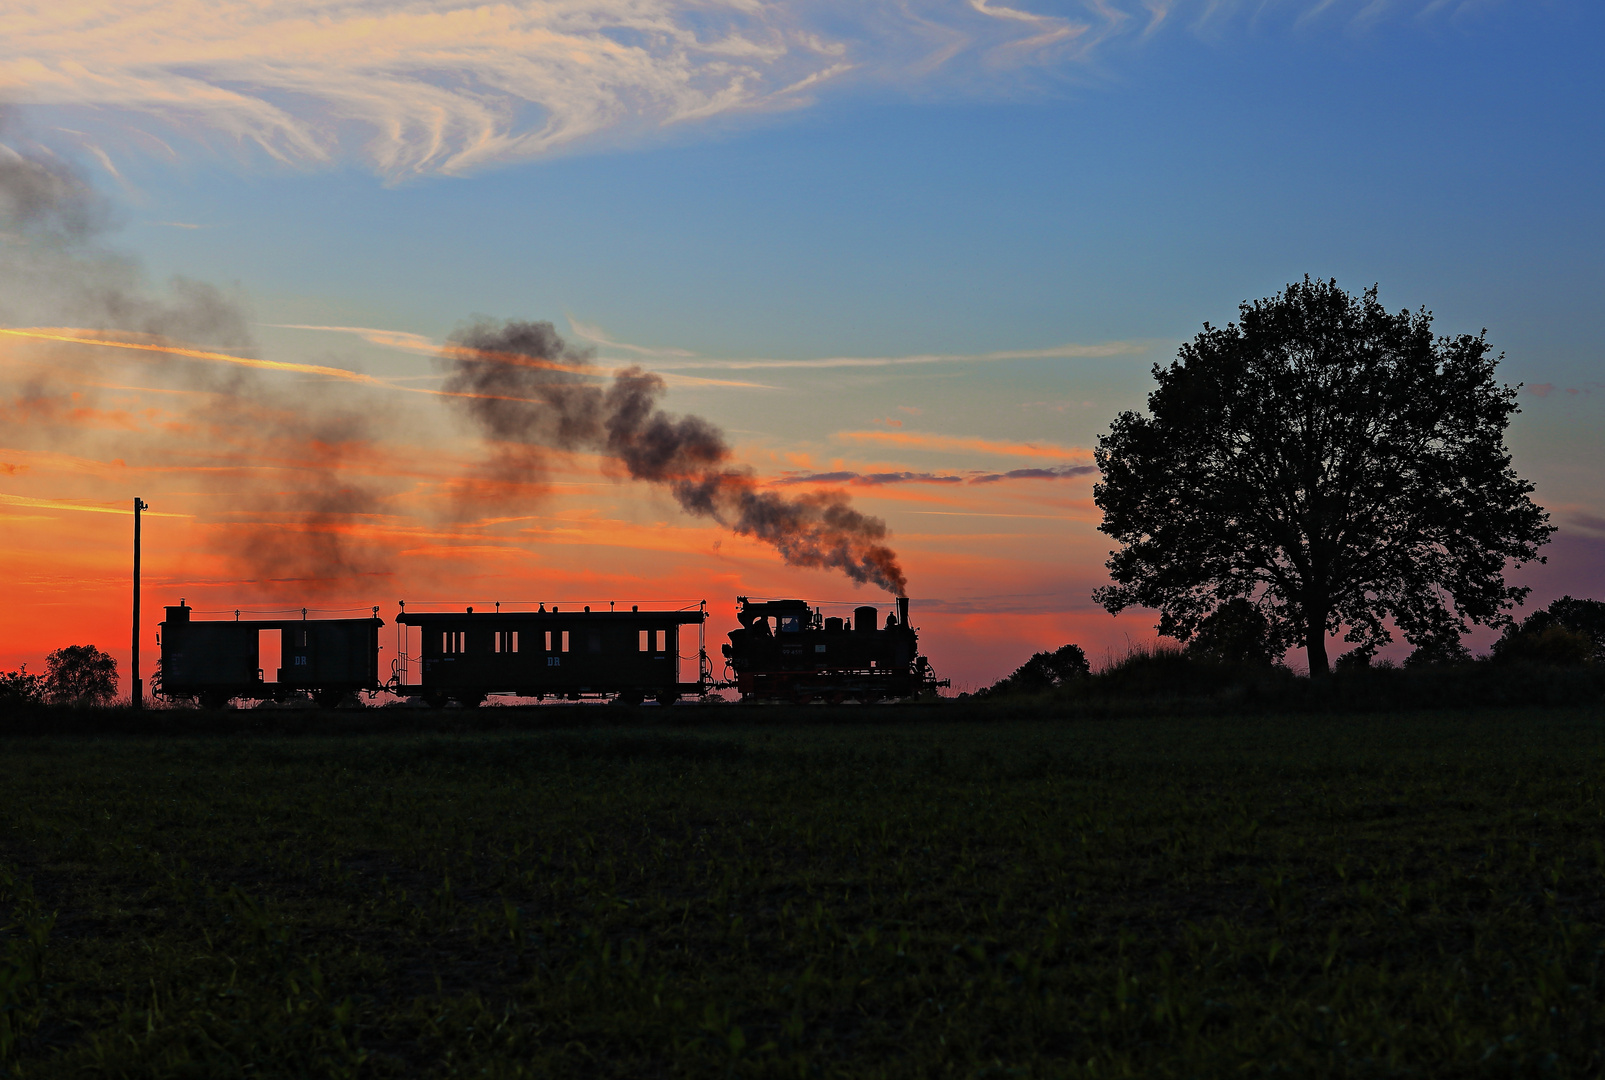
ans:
(1567, 632)
(80, 675)
(1334, 464)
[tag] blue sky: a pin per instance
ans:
(1453, 159)
(1051, 178)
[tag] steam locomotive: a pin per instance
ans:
(787, 651)
(465, 657)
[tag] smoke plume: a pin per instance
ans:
(277, 454)
(530, 392)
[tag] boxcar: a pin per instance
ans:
(214, 660)
(628, 655)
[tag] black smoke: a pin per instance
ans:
(278, 457)
(530, 392)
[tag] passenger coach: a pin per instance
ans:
(631, 655)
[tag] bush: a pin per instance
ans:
(1164, 670)
(21, 688)
(1567, 633)
(1553, 646)
(1235, 633)
(1358, 659)
(1442, 651)
(80, 675)
(1044, 671)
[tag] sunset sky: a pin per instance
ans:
(920, 252)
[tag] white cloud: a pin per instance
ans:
(449, 86)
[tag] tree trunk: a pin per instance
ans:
(1315, 648)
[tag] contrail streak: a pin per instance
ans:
(202, 354)
(56, 504)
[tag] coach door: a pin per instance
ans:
(269, 655)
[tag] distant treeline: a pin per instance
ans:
(76, 676)
(1554, 657)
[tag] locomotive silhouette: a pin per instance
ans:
(784, 651)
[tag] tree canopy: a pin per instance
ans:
(1336, 465)
(1567, 632)
(80, 675)
(1044, 671)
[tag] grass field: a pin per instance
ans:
(744, 895)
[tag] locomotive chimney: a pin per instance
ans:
(902, 611)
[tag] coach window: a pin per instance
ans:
(548, 641)
(565, 641)
(643, 644)
(663, 641)
(507, 641)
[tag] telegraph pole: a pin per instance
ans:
(137, 698)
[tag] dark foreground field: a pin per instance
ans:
(743, 895)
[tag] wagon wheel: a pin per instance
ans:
(668, 697)
(435, 701)
(628, 698)
(838, 697)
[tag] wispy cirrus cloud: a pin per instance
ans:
(671, 359)
(451, 86)
(64, 504)
(915, 440)
(881, 479)
(671, 362)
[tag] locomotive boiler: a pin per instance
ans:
(787, 651)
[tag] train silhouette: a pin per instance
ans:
(785, 650)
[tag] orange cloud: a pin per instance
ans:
(73, 336)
